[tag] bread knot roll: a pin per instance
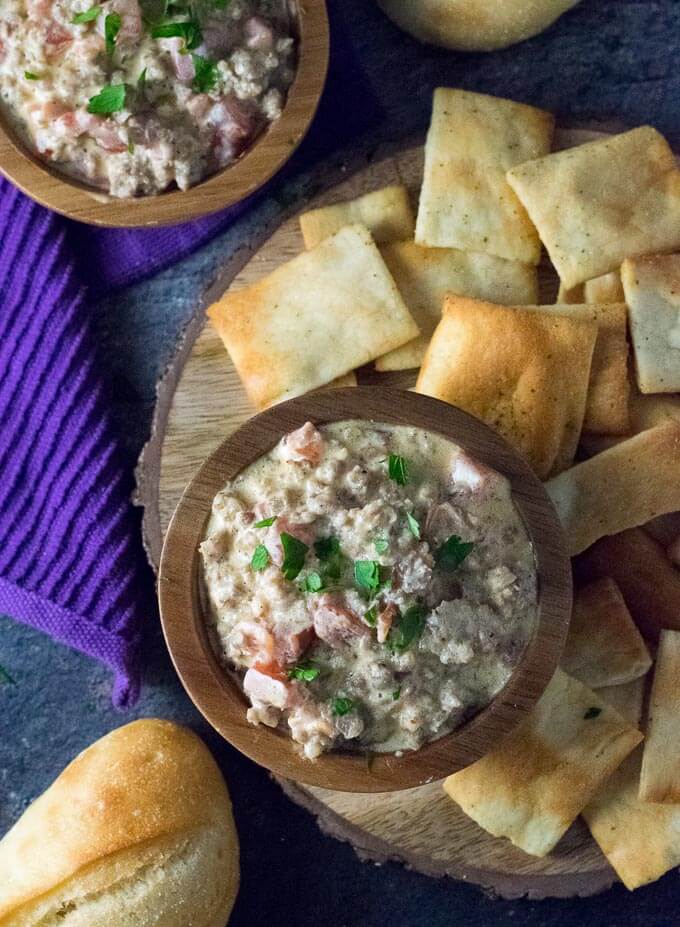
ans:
(136, 831)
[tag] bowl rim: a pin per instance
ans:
(217, 695)
(233, 183)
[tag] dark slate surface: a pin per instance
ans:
(604, 60)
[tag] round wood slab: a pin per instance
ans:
(200, 402)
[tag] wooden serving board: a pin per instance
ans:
(200, 402)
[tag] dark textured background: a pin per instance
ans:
(604, 60)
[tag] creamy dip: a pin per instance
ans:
(133, 96)
(373, 584)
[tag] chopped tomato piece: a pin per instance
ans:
(305, 444)
(335, 623)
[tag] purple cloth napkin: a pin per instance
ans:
(71, 562)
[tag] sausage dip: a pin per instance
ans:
(373, 584)
(132, 96)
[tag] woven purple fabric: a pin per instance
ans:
(71, 562)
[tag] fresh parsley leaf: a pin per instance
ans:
(294, 553)
(367, 574)
(206, 74)
(131, 147)
(396, 694)
(342, 706)
(414, 525)
(260, 558)
(397, 469)
(305, 672)
(592, 712)
(141, 82)
(189, 30)
(266, 522)
(452, 552)
(408, 629)
(87, 17)
(29, 75)
(5, 678)
(221, 4)
(112, 25)
(371, 616)
(312, 583)
(110, 99)
(380, 545)
(325, 548)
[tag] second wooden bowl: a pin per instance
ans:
(49, 187)
(217, 694)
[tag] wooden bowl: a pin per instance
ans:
(217, 694)
(269, 153)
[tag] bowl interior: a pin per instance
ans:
(259, 163)
(217, 694)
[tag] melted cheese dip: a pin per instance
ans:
(181, 107)
(374, 586)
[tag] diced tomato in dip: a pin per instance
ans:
(374, 585)
(148, 95)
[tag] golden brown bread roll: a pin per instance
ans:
(136, 832)
(474, 25)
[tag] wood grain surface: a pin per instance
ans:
(200, 403)
(41, 181)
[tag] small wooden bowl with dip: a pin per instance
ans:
(233, 183)
(216, 692)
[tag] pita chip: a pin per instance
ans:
(641, 840)
(313, 319)
(626, 699)
(525, 374)
(623, 487)
(347, 379)
(425, 275)
(660, 775)
(604, 646)
(532, 787)
(605, 289)
(465, 200)
(386, 213)
(601, 202)
(652, 288)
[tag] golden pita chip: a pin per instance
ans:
(523, 373)
(609, 386)
(660, 776)
(627, 699)
(652, 287)
(313, 319)
(641, 840)
(574, 296)
(425, 275)
(649, 411)
(465, 200)
(386, 213)
(624, 486)
(347, 379)
(604, 646)
(605, 289)
(599, 203)
(532, 787)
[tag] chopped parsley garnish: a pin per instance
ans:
(408, 629)
(397, 469)
(332, 559)
(112, 25)
(452, 552)
(266, 522)
(396, 694)
(206, 74)
(141, 82)
(131, 147)
(312, 583)
(371, 616)
(29, 75)
(324, 548)
(380, 545)
(305, 672)
(5, 677)
(221, 4)
(260, 558)
(414, 525)
(110, 99)
(294, 553)
(367, 574)
(189, 30)
(86, 17)
(342, 706)
(592, 712)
